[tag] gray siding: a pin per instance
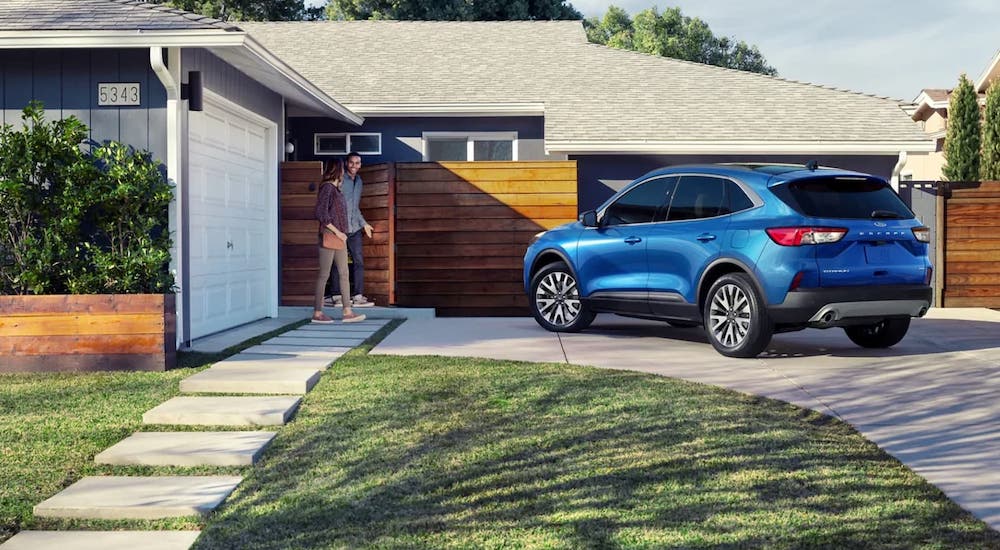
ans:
(66, 82)
(223, 79)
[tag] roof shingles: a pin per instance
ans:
(590, 92)
(100, 15)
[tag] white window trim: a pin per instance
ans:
(471, 139)
(347, 141)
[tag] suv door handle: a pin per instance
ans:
(633, 240)
(705, 237)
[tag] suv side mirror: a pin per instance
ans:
(589, 218)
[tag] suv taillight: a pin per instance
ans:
(923, 234)
(798, 236)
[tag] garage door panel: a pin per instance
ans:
(230, 246)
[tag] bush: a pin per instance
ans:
(79, 222)
(961, 142)
(990, 167)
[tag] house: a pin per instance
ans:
(539, 90)
(930, 110)
(400, 91)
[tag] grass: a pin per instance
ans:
(431, 452)
(52, 425)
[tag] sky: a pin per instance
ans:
(880, 47)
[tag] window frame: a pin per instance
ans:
(347, 142)
(470, 142)
(603, 212)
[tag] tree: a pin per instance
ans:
(961, 142)
(247, 10)
(990, 169)
(451, 10)
(672, 34)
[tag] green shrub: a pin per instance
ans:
(990, 167)
(76, 222)
(961, 142)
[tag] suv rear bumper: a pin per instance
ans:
(827, 307)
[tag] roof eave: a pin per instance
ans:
(570, 147)
(120, 39)
(990, 74)
(447, 109)
(236, 48)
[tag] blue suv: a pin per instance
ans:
(743, 250)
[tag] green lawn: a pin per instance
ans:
(430, 452)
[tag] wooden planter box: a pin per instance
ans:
(88, 332)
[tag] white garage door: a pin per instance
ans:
(230, 224)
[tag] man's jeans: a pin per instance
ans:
(357, 266)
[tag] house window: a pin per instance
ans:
(446, 146)
(341, 144)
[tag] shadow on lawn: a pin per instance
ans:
(397, 453)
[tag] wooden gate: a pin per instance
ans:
(972, 244)
(299, 260)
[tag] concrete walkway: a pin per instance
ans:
(271, 376)
(931, 401)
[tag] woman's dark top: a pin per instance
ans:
(331, 208)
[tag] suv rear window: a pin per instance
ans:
(843, 197)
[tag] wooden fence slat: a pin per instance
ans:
(81, 344)
(68, 325)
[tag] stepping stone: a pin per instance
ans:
(187, 449)
(101, 540)
(277, 360)
(321, 336)
(268, 377)
(330, 353)
(342, 327)
(329, 341)
(135, 497)
(223, 411)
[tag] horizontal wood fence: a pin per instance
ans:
(972, 244)
(449, 236)
(88, 332)
(462, 229)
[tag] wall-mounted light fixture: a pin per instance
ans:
(192, 91)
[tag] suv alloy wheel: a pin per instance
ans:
(555, 300)
(736, 319)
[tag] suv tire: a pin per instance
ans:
(736, 319)
(885, 333)
(554, 300)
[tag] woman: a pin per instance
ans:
(331, 211)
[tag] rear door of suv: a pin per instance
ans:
(879, 246)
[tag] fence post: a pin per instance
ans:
(939, 242)
(391, 202)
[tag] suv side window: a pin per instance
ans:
(698, 197)
(642, 203)
(738, 199)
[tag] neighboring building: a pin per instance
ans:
(396, 92)
(535, 90)
(930, 110)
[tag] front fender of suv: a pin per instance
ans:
(558, 244)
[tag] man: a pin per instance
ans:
(356, 223)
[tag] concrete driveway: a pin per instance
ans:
(932, 401)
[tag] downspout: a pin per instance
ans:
(896, 170)
(171, 80)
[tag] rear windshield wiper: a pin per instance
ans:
(885, 214)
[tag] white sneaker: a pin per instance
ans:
(334, 301)
(360, 301)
